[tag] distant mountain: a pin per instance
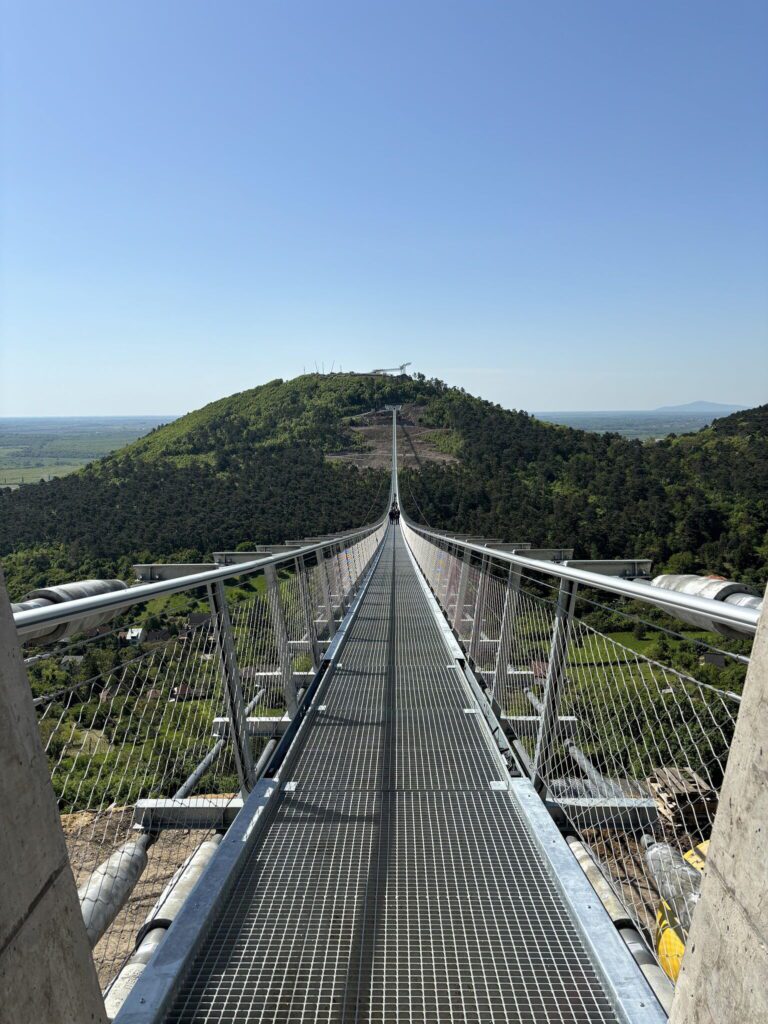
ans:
(717, 407)
(292, 458)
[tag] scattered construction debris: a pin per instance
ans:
(684, 798)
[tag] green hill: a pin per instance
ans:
(255, 467)
(248, 468)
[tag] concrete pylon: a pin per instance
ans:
(724, 975)
(47, 974)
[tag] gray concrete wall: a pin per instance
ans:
(46, 971)
(724, 976)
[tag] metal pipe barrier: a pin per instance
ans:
(158, 921)
(622, 718)
(742, 618)
(178, 695)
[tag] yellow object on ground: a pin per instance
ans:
(670, 935)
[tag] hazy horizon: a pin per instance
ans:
(726, 406)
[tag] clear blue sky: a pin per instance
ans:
(555, 204)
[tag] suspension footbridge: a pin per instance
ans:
(388, 775)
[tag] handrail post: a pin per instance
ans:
(308, 611)
(339, 577)
(353, 577)
(479, 612)
(507, 631)
(437, 563)
(461, 594)
(450, 575)
(347, 574)
(325, 586)
(558, 656)
(446, 575)
(233, 691)
(281, 639)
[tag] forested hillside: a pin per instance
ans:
(249, 468)
(697, 502)
(253, 468)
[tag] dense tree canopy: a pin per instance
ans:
(698, 502)
(252, 468)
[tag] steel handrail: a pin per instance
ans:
(57, 614)
(668, 600)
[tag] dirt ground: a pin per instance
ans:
(624, 856)
(91, 837)
(414, 442)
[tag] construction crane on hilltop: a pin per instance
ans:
(393, 369)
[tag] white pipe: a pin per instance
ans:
(67, 592)
(163, 913)
(103, 896)
(656, 978)
(715, 588)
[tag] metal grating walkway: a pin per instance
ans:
(394, 883)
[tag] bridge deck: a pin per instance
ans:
(395, 882)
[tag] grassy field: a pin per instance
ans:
(32, 474)
(603, 648)
(34, 449)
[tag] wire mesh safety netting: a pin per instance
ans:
(129, 713)
(622, 716)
